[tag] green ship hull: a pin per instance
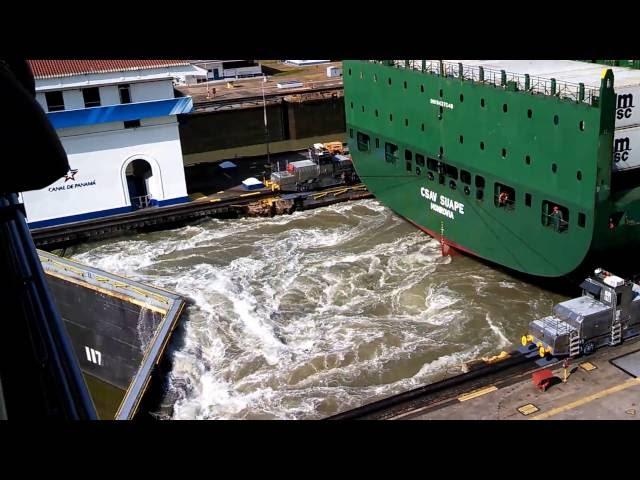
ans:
(479, 162)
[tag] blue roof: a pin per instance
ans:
(120, 112)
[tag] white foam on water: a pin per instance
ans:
(504, 341)
(295, 311)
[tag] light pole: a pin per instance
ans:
(266, 128)
(206, 66)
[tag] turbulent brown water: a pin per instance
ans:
(303, 316)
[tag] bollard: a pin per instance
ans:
(565, 366)
(581, 92)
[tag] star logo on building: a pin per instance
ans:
(71, 175)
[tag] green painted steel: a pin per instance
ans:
(478, 140)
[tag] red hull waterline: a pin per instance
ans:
(448, 247)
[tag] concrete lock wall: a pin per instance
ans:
(205, 134)
(317, 117)
(99, 186)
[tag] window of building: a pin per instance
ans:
(91, 97)
(125, 94)
(479, 181)
(504, 196)
(377, 143)
(363, 142)
(131, 123)
(55, 101)
(390, 152)
(527, 199)
(432, 164)
(239, 64)
(555, 217)
(351, 133)
(420, 160)
(465, 177)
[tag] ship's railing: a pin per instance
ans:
(576, 92)
(391, 157)
(507, 204)
(556, 222)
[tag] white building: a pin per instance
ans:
(224, 70)
(117, 122)
(304, 63)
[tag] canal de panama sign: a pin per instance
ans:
(445, 206)
(73, 183)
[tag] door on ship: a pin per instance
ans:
(138, 174)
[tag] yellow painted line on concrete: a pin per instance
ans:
(250, 194)
(528, 409)
(110, 293)
(587, 366)
(590, 398)
(477, 393)
(215, 200)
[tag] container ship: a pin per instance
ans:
(531, 165)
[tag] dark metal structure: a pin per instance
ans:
(39, 374)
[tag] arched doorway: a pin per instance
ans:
(138, 174)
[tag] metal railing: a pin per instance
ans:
(507, 204)
(555, 325)
(555, 222)
(500, 78)
(48, 375)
